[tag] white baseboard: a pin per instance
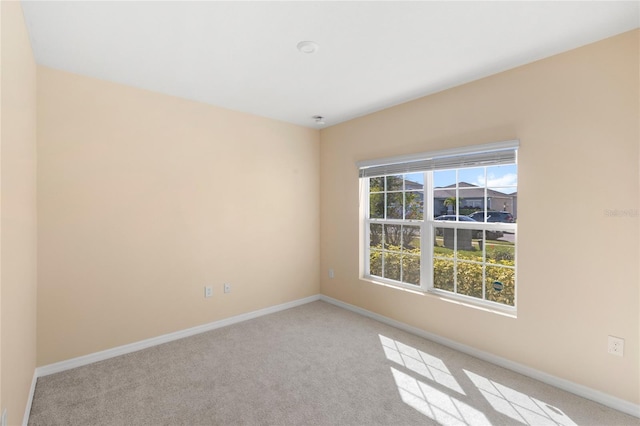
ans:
(27, 410)
(154, 341)
(583, 391)
(580, 390)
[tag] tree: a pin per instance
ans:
(450, 203)
(399, 205)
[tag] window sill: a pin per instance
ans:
(394, 285)
(471, 302)
(447, 297)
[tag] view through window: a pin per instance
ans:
(449, 229)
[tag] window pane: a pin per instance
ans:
(443, 274)
(474, 176)
(492, 216)
(414, 181)
(472, 251)
(443, 178)
(470, 200)
(414, 205)
(411, 238)
(392, 266)
(439, 249)
(375, 235)
(502, 187)
(411, 269)
(507, 190)
(393, 237)
(444, 202)
(478, 244)
(457, 238)
(501, 176)
(500, 251)
(479, 216)
(394, 205)
(501, 284)
(502, 202)
(394, 183)
(376, 206)
(375, 263)
(469, 279)
(376, 184)
(493, 236)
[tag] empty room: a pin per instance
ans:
(319, 213)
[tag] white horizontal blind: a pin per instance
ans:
(475, 156)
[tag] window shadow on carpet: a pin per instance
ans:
(426, 384)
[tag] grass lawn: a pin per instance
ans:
(497, 250)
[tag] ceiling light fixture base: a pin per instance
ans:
(308, 46)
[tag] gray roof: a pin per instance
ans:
(468, 190)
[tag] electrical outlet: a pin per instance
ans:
(616, 346)
(331, 274)
(227, 288)
(208, 291)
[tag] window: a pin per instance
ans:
(396, 210)
(444, 222)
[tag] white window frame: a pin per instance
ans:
(407, 222)
(428, 224)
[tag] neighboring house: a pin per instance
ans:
(412, 186)
(472, 197)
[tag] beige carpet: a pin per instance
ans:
(312, 365)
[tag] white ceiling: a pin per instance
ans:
(242, 55)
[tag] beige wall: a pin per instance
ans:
(18, 214)
(576, 115)
(143, 199)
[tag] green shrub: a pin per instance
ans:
(507, 276)
(396, 256)
(468, 276)
(469, 279)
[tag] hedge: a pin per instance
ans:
(500, 267)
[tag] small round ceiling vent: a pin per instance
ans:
(308, 46)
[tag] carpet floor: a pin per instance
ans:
(316, 364)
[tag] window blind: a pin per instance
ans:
(475, 156)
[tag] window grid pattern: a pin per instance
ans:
(395, 217)
(465, 257)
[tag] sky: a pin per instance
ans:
(499, 178)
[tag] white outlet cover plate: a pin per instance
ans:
(616, 346)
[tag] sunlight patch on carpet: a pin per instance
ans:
(436, 404)
(426, 365)
(517, 405)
